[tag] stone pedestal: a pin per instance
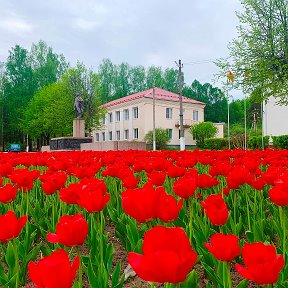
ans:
(79, 128)
(68, 143)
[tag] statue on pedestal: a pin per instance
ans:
(79, 106)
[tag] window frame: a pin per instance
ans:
(134, 133)
(169, 113)
(134, 112)
(117, 116)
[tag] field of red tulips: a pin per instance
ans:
(181, 219)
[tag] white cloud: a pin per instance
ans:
(11, 22)
(85, 24)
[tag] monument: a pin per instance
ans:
(73, 143)
(79, 123)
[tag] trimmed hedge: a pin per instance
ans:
(255, 142)
(280, 142)
(216, 143)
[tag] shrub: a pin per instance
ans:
(161, 136)
(216, 143)
(280, 142)
(203, 131)
(255, 142)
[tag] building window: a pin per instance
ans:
(169, 132)
(126, 134)
(135, 133)
(126, 114)
(135, 112)
(97, 136)
(110, 135)
(103, 136)
(168, 113)
(195, 115)
(117, 135)
(110, 117)
(117, 116)
(104, 120)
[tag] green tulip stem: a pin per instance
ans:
(282, 215)
(27, 203)
(16, 262)
(247, 207)
(152, 285)
(80, 267)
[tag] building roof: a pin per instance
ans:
(160, 94)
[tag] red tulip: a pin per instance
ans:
(130, 182)
(54, 271)
(206, 181)
(185, 187)
(93, 195)
(238, 176)
(70, 194)
(167, 256)
(279, 195)
(215, 209)
(147, 203)
(262, 264)
(24, 178)
(70, 231)
(53, 182)
(10, 226)
(8, 193)
(6, 169)
(224, 247)
(175, 171)
(157, 178)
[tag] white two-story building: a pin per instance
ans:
(131, 117)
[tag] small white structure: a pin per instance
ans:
(275, 118)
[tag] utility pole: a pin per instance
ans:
(182, 139)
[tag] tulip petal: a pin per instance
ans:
(52, 238)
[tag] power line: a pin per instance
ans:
(204, 61)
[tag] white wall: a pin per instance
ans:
(275, 118)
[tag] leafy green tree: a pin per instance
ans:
(170, 79)
(19, 88)
(107, 76)
(25, 73)
(122, 83)
(154, 77)
(202, 131)
(137, 78)
(49, 114)
(213, 97)
(86, 82)
(161, 138)
(259, 55)
(48, 67)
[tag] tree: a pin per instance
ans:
(170, 78)
(213, 97)
(161, 138)
(48, 67)
(259, 55)
(86, 82)
(25, 73)
(154, 77)
(202, 131)
(137, 78)
(19, 88)
(107, 77)
(49, 114)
